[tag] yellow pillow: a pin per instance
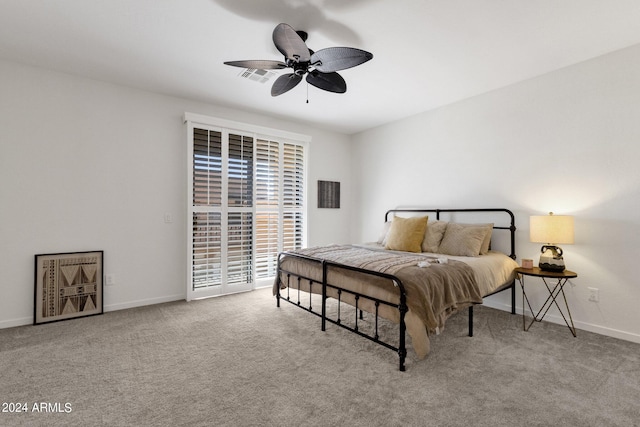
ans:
(406, 234)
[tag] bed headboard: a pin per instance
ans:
(498, 216)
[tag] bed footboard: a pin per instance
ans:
(297, 284)
(320, 285)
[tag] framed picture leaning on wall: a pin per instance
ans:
(68, 285)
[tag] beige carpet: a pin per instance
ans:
(240, 361)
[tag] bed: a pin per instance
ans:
(427, 265)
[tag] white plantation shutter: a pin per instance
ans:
(207, 259)
(240, 212)
(293, 197)
(240, 248)
(267, 225)
(206, 219)
(207, 168)
(267, 206)
(247, 204)
(240, 174)
(293, 165)
(292, 231)
(279, 202)
(267, 174)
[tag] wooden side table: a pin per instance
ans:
(554, 291)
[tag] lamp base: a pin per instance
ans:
(551, 259)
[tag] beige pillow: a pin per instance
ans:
(461, 240)
(406, 234)
(433, 236)
(484, 249)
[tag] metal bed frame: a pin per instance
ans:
(401, 306)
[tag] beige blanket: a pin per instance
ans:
(433, 293)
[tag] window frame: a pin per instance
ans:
(225, 126)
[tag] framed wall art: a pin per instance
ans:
(68, 285)
(328, 194)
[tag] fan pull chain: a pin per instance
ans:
(307, 92)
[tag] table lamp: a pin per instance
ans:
(552, 230)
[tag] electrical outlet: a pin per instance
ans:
(594, 294)
(110, 280)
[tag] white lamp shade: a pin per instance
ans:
(551, 229)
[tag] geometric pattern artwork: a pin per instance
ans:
(67, 285)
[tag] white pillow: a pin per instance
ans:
(382, 238)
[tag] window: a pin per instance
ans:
(247, 203)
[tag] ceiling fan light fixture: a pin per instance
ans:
(320, 67)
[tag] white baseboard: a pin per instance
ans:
(11, 323)
(143, 302)
(589, 327)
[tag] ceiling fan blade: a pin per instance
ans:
(259, 64)
(333, 82)
(290, 44)
(338, 58)
(285, 83)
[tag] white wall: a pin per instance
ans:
(86, 165)
(567, 142)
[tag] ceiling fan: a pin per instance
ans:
(320, 67)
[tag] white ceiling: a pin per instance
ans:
(427, 53)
